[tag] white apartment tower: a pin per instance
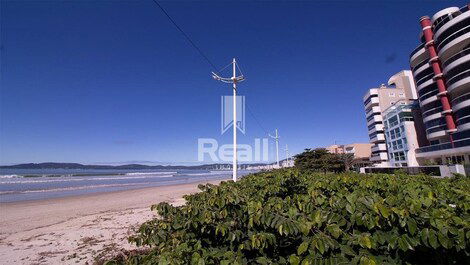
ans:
(401, 88)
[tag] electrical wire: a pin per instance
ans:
(185, 35)
(206, 58)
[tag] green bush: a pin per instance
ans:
(285, 217)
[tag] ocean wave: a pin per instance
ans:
(9, 176)
(150, 173)
(208, 173)
(23, 181)
(72, 188)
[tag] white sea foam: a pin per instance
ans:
(40, 180)
(150, 173)
(208, 173)
(74, 188)
(8, 176)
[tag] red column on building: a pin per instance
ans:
(438, 76)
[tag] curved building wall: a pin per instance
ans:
(451, 39)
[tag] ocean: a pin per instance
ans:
(36, 184)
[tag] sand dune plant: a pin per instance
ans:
(288, 217)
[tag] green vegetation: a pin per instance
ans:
(321, 160)
(287, 217)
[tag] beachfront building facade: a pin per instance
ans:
(359, 150)
(401, 88)
(403, 133)
(441, 69)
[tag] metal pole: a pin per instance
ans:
(277, 149)
(234, 174)
(287, 155)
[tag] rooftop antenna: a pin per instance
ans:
(233, 80)
(276, 137)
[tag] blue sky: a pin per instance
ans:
(114, 81)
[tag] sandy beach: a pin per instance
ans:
(79, 229)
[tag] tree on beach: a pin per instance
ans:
(348, 161)
(319, 160)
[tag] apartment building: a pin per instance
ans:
(401, 88)
(359, 150)
(404, 133)
(441, 69)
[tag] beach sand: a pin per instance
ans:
(79, 229)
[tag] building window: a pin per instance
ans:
(391, 94)
(401, 95)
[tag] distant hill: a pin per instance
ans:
(51, 165)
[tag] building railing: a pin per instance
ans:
(456, 56)
(424, 79)
(417, 49)
(453, 36)
(462, 98)
(444, 146)
(423, 62)
(458, 77)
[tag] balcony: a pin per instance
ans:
(442, 17)
(432, 111)
(454, 43)
(372, 101)
(380, 137)
(374, 110)
(370, 93)
(436, 132)
(459, 83)
(376, 128)
(458, 58)
(374, 119)
(461, 102)
(428, 100)
(432, 117)
(423, 66)
(379, 147)
(382, 156)
(418, 55)
(450, 27)
(444, 146)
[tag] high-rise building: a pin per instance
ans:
(401, 88)
(404, 133)
(441, 69)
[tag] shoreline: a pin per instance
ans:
(77, 229)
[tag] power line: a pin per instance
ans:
(185, 35)
(205, 57)
(256, 120)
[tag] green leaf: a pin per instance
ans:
(320, 246)
(294, 260)
(384, 211)
(262, 260)
(334, 230)
(411, 226)
(433, 239)
(364, 241)
(302, 248)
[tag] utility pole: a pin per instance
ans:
(287, 155)
(276, 137)
(233, 80)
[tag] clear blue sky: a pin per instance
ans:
(114, 81)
